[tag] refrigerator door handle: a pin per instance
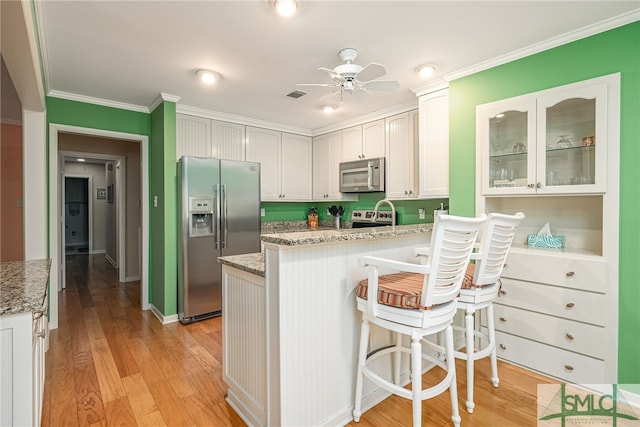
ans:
(223, 225)
(216, 213)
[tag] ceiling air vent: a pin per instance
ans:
(296, 94)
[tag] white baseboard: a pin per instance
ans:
(115, 264)
(161, 317)
(131, 278)
(99, 251)
(632, 399)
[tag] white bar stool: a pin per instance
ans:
(418, 301)
(479, 290)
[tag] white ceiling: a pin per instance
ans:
(130, 51)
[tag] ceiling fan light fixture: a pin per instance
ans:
(426, 70)
(208, 77)
(286, 8)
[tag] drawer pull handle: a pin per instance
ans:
(503, 347)
(570, 274)
(503, 319)
(569, 336)
(570, 305)
(568, 367)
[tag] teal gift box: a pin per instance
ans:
(540, 241)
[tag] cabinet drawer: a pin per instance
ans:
(581, 306)
(574, 336)
(554, 269)
(558, 363)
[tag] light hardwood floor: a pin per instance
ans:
(111, 364)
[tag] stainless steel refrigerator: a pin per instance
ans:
(219, 214)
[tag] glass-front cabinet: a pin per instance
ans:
(551, 142)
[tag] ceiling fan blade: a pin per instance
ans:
(388, 85)
(317, 84)
(331, 96)
(360, 95)
(335, 76)
(371, 72)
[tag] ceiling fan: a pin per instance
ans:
(355, 79)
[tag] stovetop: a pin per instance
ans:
(365, 218)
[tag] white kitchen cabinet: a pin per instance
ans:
(327, 154)
(22, 348)
(433, 145)
(548, 142)
(285, 164)
(202, 137)
(227, 140)
(364, 141)
(402, 155)
(296, 163)
(564, 319)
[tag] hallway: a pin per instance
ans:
(109, 363)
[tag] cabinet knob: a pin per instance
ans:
(503, 347)
(405, 192)
(569, 336)
(571, 274)
(568, 367)
(41, 334)
(503, 319)
(501, 292)
(410, 191)
(570, 305)
(538, 185)
(531, 185)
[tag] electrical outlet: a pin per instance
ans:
(421, 213)
(262, 212)
(155, 201)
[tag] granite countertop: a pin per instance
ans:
(23, 286)
(332, 235)
(251, 263)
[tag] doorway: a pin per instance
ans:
(77, 215)
(141, 205)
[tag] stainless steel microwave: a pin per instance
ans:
(362, 176)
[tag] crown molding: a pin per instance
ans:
(97, 101)
(247, 121)
(430, 87)
(161, 98)
(590, 30)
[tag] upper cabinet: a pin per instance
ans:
(433, 144)
(201, 137)
(327, 155)
(285, 164)
(550, 142)
(402, 155)
(364, 141)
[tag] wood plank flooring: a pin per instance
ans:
(111, 364)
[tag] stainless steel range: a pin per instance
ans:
(369, 218)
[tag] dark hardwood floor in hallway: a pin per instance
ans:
(111, 364)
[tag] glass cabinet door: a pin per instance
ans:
(572, 135)
(509, 148)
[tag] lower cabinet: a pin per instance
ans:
(22, 352)
(553, 315)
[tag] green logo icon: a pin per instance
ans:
(579, 406)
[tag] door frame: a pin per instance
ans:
(54, 209)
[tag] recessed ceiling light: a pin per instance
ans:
(81, 160)
(328, 109)
(286, 7)
(208, 77)
(426, 70)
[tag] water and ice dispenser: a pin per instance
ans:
(200, 217)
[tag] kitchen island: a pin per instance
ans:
(23, 340)
(291, 327)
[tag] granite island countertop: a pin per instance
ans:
(23, 286)
(343, 234)
(251, 263)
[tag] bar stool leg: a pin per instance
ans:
(362, 360)
(416, 379)
(469, 328)
(451, 368)
(397, 358)
(492, 342)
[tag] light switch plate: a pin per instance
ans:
(262, 212)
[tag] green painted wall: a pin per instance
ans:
(163, 243)
(610, 52)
